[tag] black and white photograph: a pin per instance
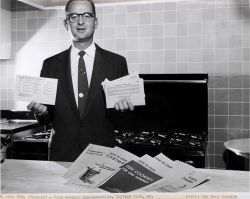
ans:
(125, 97)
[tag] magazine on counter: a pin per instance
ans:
(182, 177)
(116, 170)
(130, 177)
(186, 177)
(96, 170)
(159, 164)
(90, 155)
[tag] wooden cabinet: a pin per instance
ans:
(5, 29)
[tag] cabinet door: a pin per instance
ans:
(5, 29)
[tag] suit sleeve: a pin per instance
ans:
(118, 117)
(49, 117)
(124, 68)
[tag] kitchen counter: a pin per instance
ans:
(27, 176)
(14, 126)
(11, 129)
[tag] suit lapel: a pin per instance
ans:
(66, 81)
(98, 76)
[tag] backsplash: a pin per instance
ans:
(173, 37)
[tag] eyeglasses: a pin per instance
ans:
(75, 17)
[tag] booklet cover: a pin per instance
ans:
(161, 165)
(130, 177)
(94, 172)
(168, 163)
(154, 165)
(90, 155)
(116, 158)
(187, 177)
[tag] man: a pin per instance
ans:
(79, 116)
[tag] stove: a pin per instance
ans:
(173, 122)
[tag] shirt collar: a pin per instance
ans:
(89, 51)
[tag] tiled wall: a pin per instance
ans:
(173, 37)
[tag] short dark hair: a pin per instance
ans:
(90, 1)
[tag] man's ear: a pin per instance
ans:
(96, 23)
(65, 24)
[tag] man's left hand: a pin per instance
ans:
(123, 105)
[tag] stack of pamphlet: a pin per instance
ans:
(116, 170)
(129, 87)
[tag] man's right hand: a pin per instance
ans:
(37, 109)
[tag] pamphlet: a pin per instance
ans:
(130, 88)
(130, 177)
(94, 172)
(38, 89)
(116, 170)
(187, 178)
(159, 164)
(90, 155)
(117, 157)
(168, 163)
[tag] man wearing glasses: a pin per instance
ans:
(79, 116)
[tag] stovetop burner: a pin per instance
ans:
(195, 140)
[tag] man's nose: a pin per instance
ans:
(80, 19)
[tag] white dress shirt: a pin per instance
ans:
(89, 58)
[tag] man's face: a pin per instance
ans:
(83, 28)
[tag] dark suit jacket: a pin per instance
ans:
(72, 134)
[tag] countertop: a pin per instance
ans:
(28, 176)
(14, 126)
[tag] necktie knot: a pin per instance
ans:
(81, 54)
